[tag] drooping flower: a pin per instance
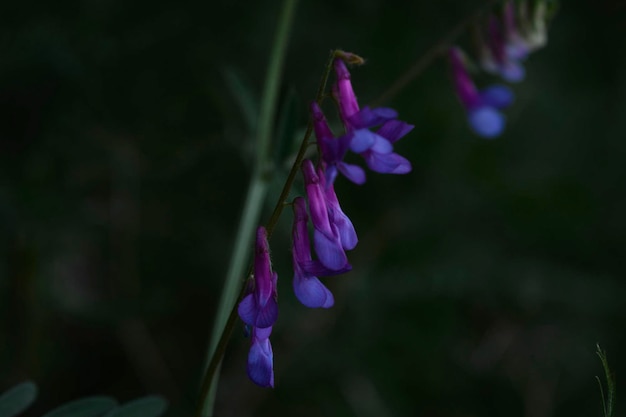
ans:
(373, 146)
(308, 288)
(482, 106)
(333, 150)
(326, 238)
(261, 358)
(500, 56)
(357, 122)
(260, 308)
(516, 46)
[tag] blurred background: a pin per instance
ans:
(482, 282)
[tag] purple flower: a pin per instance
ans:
(307, 287)
(481, 106)
(501, 57)
(326, 238)
(333, 150)
(357, 121)
(261, 358)
(259, 308)
(516, 47)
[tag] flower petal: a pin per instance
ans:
(391, 163)
(393, 130)
(381, 145)
(247, 309)
(261, 363)
(367, 117)
(498, 96)
(311, 292)
(316, 268)
(512, 71)
(354, 173)
(362, 139)
(258, 316)
(329, 250)
(486, 122)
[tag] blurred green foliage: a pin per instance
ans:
(482, 281)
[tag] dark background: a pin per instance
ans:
(482, 282)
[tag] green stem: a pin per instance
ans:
(253, 205)
(220, 340)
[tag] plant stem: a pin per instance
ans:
(431, 54)
(253, 205)
(217, 353)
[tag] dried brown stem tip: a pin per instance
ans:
(350, 58)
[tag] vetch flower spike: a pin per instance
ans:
(482, 107)
(326, 239)
(260, 308)
(308, 288)
(261, 358)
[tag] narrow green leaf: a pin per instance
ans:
(245, 97)
(151, 406)
(609, 403)
(17, 399)
(85, 407)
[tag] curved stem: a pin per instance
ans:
(425, 60)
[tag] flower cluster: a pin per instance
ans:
(504, 44)
(370, 133)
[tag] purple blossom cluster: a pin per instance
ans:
(503, 45)
(322, 233)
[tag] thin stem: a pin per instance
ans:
(284, 194)
(208, 382)
(424, 61)
(252, 207)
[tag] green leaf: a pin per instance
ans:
(86, 407)
(609, 403)
(17, 399)
(244, 95)
(151, 406)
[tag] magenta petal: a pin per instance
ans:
(329, 250)
(311, 292)
(354, 173)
